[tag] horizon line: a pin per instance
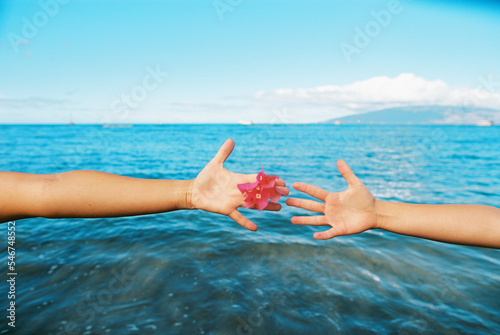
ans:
(124, 125)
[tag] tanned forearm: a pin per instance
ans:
(89, 194)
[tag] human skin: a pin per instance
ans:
(93, 194)
(356, 210)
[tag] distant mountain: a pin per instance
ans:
(423, 115)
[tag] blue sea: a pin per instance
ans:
(200, 273)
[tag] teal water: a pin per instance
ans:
(200, 273)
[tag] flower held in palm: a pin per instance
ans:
(260, 192)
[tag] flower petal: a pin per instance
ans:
(247, 187)
(262, 203)
(265, 194)
(249, 201)
(275, 196)
(279, 191)
(260, 176)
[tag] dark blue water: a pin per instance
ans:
(199, 273)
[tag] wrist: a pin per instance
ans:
(380, 214)
(188, 195)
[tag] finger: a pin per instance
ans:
(224, 151)
(248, 178)
(325, 235)
(310, 205)
(347, 173)
(243, 221)
(319, 220)
(280, 182)
(285, 190)
(273, 207)
(312, 190)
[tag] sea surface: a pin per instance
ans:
(193, 272)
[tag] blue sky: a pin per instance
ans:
(222, 60)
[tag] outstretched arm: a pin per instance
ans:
(356, 210)
(91, 194)
(86, 194)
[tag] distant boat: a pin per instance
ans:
(245, 122)
(69, 123)
(484, 123)
(338, 122)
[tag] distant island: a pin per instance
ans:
(422, 115)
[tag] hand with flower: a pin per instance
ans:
(218, 190)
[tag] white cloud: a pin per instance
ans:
(277, 106)
(384, 92)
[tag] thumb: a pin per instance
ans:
(347, 173)
(224, 151)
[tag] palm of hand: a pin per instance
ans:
(214, 189)
(351, 211)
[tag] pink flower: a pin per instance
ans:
(261, 191)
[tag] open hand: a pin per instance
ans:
(215, 189)
(350, 212)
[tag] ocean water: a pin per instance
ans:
(200, 273)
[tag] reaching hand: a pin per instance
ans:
(215, 189)
(350, 212)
